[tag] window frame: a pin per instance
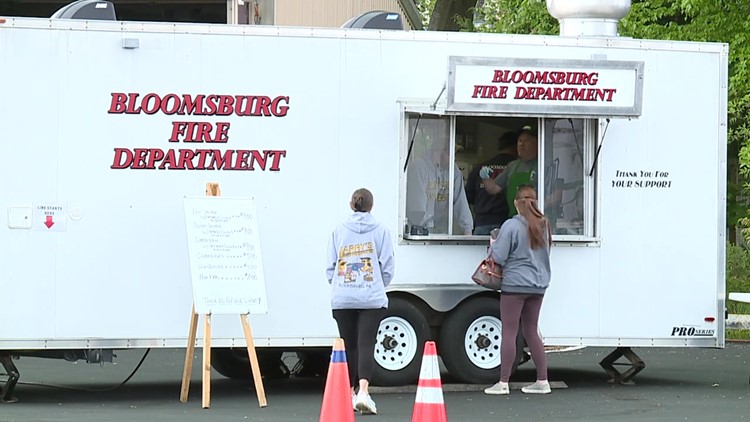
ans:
(591, 196)
(437, 110)
(592, 138)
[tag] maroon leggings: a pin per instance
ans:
(524, 309)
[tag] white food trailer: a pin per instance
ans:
(108, 125)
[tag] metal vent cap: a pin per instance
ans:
(588, 17)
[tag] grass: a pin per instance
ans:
(738, 335)
(738, 280)
(738, 308)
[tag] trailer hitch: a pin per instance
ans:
(13, 376)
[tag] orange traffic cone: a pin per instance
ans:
(429, 405)
(337, 397)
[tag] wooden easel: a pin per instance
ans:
(213, 189)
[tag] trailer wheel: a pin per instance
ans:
(400, 344)
(234, 363)
(470, 340)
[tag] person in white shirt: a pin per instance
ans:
(427, 193)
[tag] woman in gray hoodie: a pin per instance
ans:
(360, 267)
(522, 248)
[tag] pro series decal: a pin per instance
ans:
(688, 331)
(198, 132)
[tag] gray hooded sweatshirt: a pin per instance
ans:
(360, 263)
(525, 270)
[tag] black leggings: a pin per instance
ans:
(359, 329)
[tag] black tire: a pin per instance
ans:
(470, 340)
(234, 363)
(400, 344)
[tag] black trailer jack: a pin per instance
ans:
(13, 375)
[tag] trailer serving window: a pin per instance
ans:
(554, 108)
(444, 197)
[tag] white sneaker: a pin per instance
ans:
(354, 402)
(539, 387)
(501, 388)
(365, 404)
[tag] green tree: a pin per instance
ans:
(504, 16)
(425, 9)
(447, 15)
(513, 17)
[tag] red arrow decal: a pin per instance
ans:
(48, 222)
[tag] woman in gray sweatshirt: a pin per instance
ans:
(522, 248)
(360, 267)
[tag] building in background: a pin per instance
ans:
(311, 13)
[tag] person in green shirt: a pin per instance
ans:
(522, 171)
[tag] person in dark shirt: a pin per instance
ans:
(490, 211)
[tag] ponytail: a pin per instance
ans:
(538, 225)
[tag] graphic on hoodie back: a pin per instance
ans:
(353, 263)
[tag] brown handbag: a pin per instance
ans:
(488, 274)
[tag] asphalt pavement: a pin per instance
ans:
(676, 385)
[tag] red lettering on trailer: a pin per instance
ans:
(118, 103)
(564, 94)
(168, 161)
(219, 161)
(222, 132)
(119, 154)
(226, 105)
(156, 155)
(555, 77)
(197, 131)
(151, 104)
(197, 159)
(166, 109)
(241, 162)
(276, 158)
(199, 105)
(529, 85)
(131, 104)
(490, 91)
(139, 158)
(185, 162)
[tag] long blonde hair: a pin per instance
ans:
(538, 225)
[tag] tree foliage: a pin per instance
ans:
(425, 9)
(513, 17)
(504, 16)
(447, 15)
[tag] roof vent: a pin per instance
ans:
(588, 18)
(376, 20)
(87, 10)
